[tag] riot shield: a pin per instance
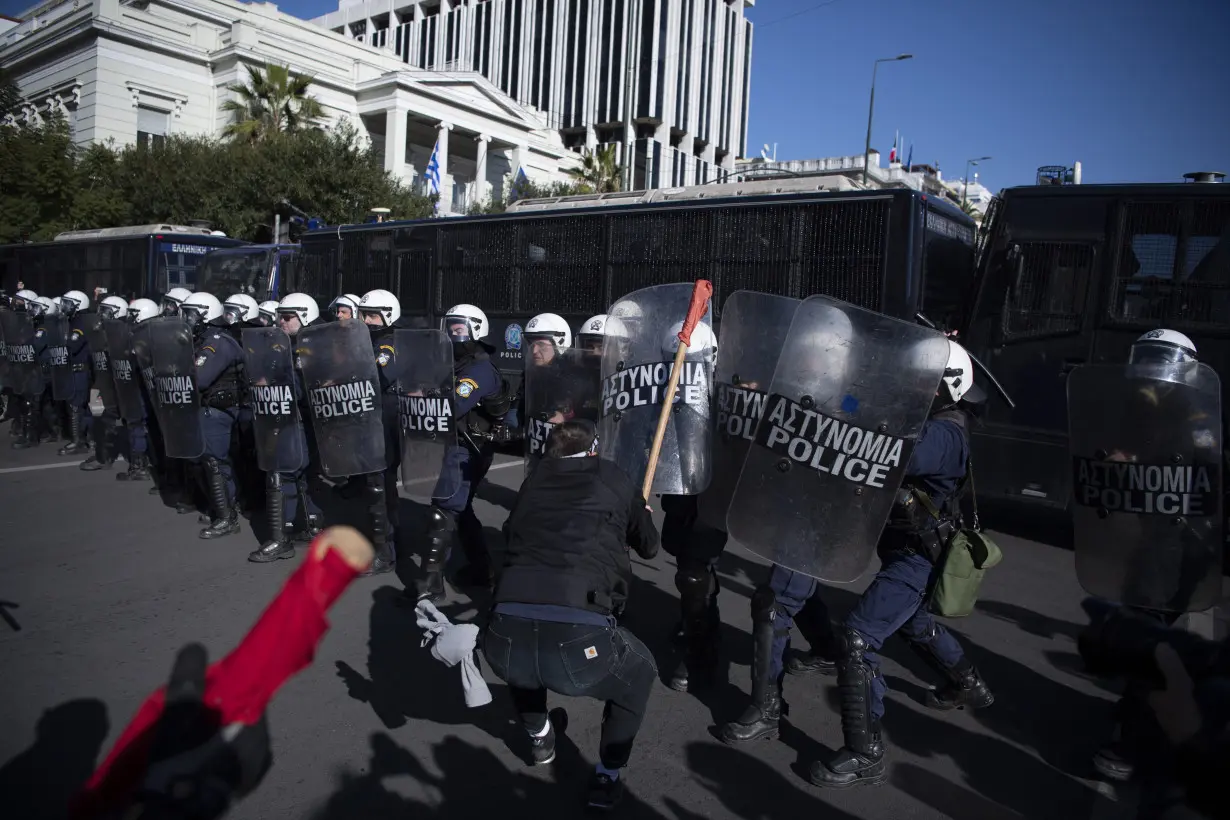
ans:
(569, 386)
(848, 399)
(270, 366)
(637, 357)
(1146, 443)
(425, 409)
(754, 329)
(343, 388)
(172, 373)
(100, 359)
(4, 351)
(25, 372)
(124, 371)
(59, 370)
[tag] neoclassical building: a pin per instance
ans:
(494, 87)
(140, 70)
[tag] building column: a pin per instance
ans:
(446, 179)
(482, 190)
(395, 142)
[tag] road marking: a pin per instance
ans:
(73, 463)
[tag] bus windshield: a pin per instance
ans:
(235, 270)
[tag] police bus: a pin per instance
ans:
(257, 270)
(140, 260)
(897, 251)
(1070, 274)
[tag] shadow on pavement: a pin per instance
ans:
(1031, 522)
(1043, 626)
(952, 800)
(471, 783)
(38, 783)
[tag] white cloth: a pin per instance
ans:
(454, 644)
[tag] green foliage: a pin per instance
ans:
(599, 172)
(237, 186)
(271, 103)
(10, 95)
(526, 189)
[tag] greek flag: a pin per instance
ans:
(432, 174)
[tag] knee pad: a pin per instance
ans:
(851, 644)
(439, 521)
(764, 602)
(273, 482)
(212, 465)
(695, 582)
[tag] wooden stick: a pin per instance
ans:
(668, 402)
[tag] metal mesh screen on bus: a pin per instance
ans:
(660, 248)
(1049, 295)
(842, 252)
(563, 265)
(315, 274)
(366, 261)
(760, 248)
(476, 265)
(1172, 264)
(414, 289)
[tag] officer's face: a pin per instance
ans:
(344, 312)
(542, 351)
(374, 319)
(591, 345)
(458, 331)
(290, 323)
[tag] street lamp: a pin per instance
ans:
(965, 187)
(871, 108)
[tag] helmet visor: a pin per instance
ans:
(1159, 352)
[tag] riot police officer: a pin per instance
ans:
(219, 360)
(923, 519)
(267, 315)
(173, 300)
(286, 490)
(139, 310)
(558, 385)
(22, 428)
(482, 399)
(241, 310)
(106, 426)
(75, 305)
(591, 335)
(380, 310)
(345, 306)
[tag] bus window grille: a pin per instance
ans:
(476, 266)
(843, 254)
(1049, 296)
(562, 265)
(366, 261)
(755, 248)
(660, 248)
(315, 274)
(1174, 264)
(415, 283)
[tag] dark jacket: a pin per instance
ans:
(569, 533)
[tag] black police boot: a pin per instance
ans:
(813, 623)
(384, 560)
(860, 760)
(477, 572)
(964, 686)
(103, 456)
(225, 519)
(25, 436)
(761, 718)
(311, 521)
(697, 585)
(138, 469)
(278, 546)
(441, 535)
(78, 443)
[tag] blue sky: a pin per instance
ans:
(1134, 89)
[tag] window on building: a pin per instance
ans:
(152, 126)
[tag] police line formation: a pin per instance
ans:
(820, 435)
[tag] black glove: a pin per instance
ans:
(197, 766)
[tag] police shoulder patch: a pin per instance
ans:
(200, 360)
(382, 359)
(465, 387)
(76, 335)
(38, 334)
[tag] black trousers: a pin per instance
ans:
(578, 660)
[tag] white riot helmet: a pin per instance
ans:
(26, 296)
(240, 308)
(629, 315)
(549, 326)
(140, 310)
(39, 306)
(201, 309)
(301, 305)
(1163, 346)
(268, 313)
(702, 347)
(592, 333)
(471, 317)
(348, 300)
(51, 306)
(958, 381)
(113, 307)
(173, 299)
(73, 301)
(382, 302)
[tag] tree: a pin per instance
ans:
(968, 207)
(272, 102)
(599, 172)
(525, 189)
(38, 166)
(10, 95)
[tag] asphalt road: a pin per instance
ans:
(100, 585)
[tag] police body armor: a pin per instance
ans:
(637, 358)
(849, 397)
(226, 391)
(926, 527)
(1147, 479)
(754, 329)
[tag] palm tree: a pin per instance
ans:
(970, 210)
(272, 102)
(599, 172)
